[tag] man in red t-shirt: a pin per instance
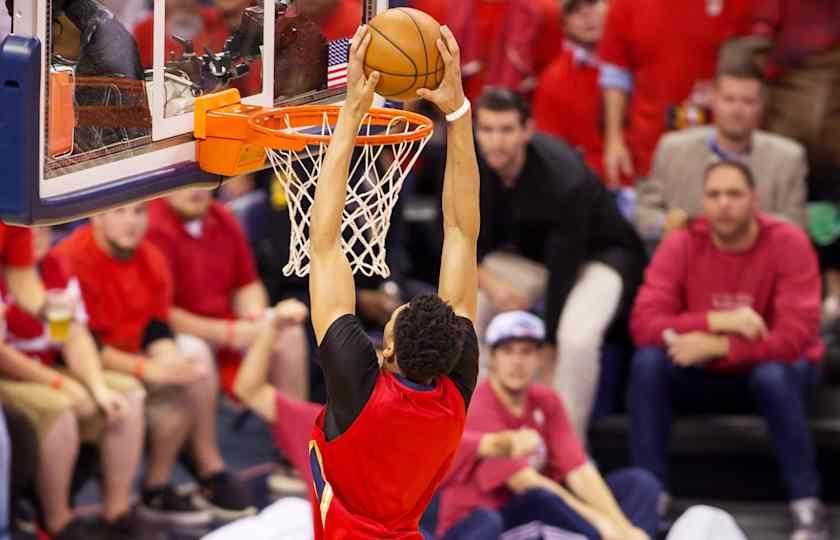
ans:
(218, 297)
(543, 474)
(567, 103)
(665, 59)
(727, 320)
(126, 288)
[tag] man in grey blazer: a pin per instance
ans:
(674, 192)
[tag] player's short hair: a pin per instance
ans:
(497, 99)
(739, 166)
(427, 338)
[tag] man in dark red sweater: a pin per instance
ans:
(727, 320)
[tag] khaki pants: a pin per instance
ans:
(42, 405)
(589, 310)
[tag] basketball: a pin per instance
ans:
(403, 48)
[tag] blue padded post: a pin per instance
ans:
(20, 92)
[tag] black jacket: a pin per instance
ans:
(559, 213)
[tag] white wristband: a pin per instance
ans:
(462, 110)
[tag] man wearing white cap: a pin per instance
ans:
(520, 460)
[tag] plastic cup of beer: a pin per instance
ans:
(59, 315)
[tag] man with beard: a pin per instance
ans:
(127, 289)
(674, 193)
(727, 320)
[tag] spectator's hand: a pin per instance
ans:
(617, 161)
(609, 530)
(506, 297)
(359, 87)
(524, 442)
(743, 321)
(697, 347)
(290, 312)
(175, 371)
(377, 306)
(449, 96)
(635, 533)
(676, 218)
(83, 405)
(245, 333)
(112, 403)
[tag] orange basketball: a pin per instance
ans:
(403, 49)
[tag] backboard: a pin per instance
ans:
(98, 95)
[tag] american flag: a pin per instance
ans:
(339, 53)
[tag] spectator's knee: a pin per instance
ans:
(491, 522)
(539, 496)
(770, 380)
(650, 362)
(643, 481)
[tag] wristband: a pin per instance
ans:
(231, 332)
(462, 110)
(57, 383)
(139, 368)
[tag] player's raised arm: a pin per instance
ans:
(331, 288)
(459, 267)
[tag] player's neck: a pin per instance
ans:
(513, 401)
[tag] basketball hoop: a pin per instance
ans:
(295, 140)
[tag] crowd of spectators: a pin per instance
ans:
(656, 177)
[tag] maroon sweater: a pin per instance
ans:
(778, 277)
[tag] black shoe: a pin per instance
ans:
(164, 505)
(78, 530)
(810, 520)
(227, 497)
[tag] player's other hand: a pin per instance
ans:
(449, 96)
(360, 88)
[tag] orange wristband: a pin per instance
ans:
(139, 368)
(57, 383)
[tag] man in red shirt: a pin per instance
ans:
(218, 296)
(665, 59)
(727, 320)
(545, 475)
(567, 103)
(126, 288)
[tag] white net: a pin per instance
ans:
(377, 173)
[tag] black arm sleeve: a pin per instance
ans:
(350, 367)
(465, 373)
(155, 330)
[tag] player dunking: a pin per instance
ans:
(389, 433)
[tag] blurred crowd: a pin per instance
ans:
(659, 191)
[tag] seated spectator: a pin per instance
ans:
(666, 60)
(674, 192)
(551, 229)
(567, 103)
(70, 405)
(126, 288)
(727, 321)
(505, 42)
(217, 295)
(521, 460)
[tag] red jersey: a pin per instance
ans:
(778, 277)
(482, 483)
(345, 18)
(16, 246)
(670, 51)
(383, 444)
(568, 104)
(121, 296)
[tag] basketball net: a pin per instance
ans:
(377, 173)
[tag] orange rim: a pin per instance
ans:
(273, 124)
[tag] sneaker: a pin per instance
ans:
(78, 530)
(285, 481)
(165, 505)
(810, 520)
(226, 497)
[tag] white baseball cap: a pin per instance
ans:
(514, 325)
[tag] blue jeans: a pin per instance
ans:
(658, 388)
(635, 490)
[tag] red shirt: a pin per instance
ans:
(206, 270)
(667, 49)
(375, 480)
(345, 18)
(778, 277)
(481, 483)
(435, 8)
(568, 105)
(121, 297)
(16, 246)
